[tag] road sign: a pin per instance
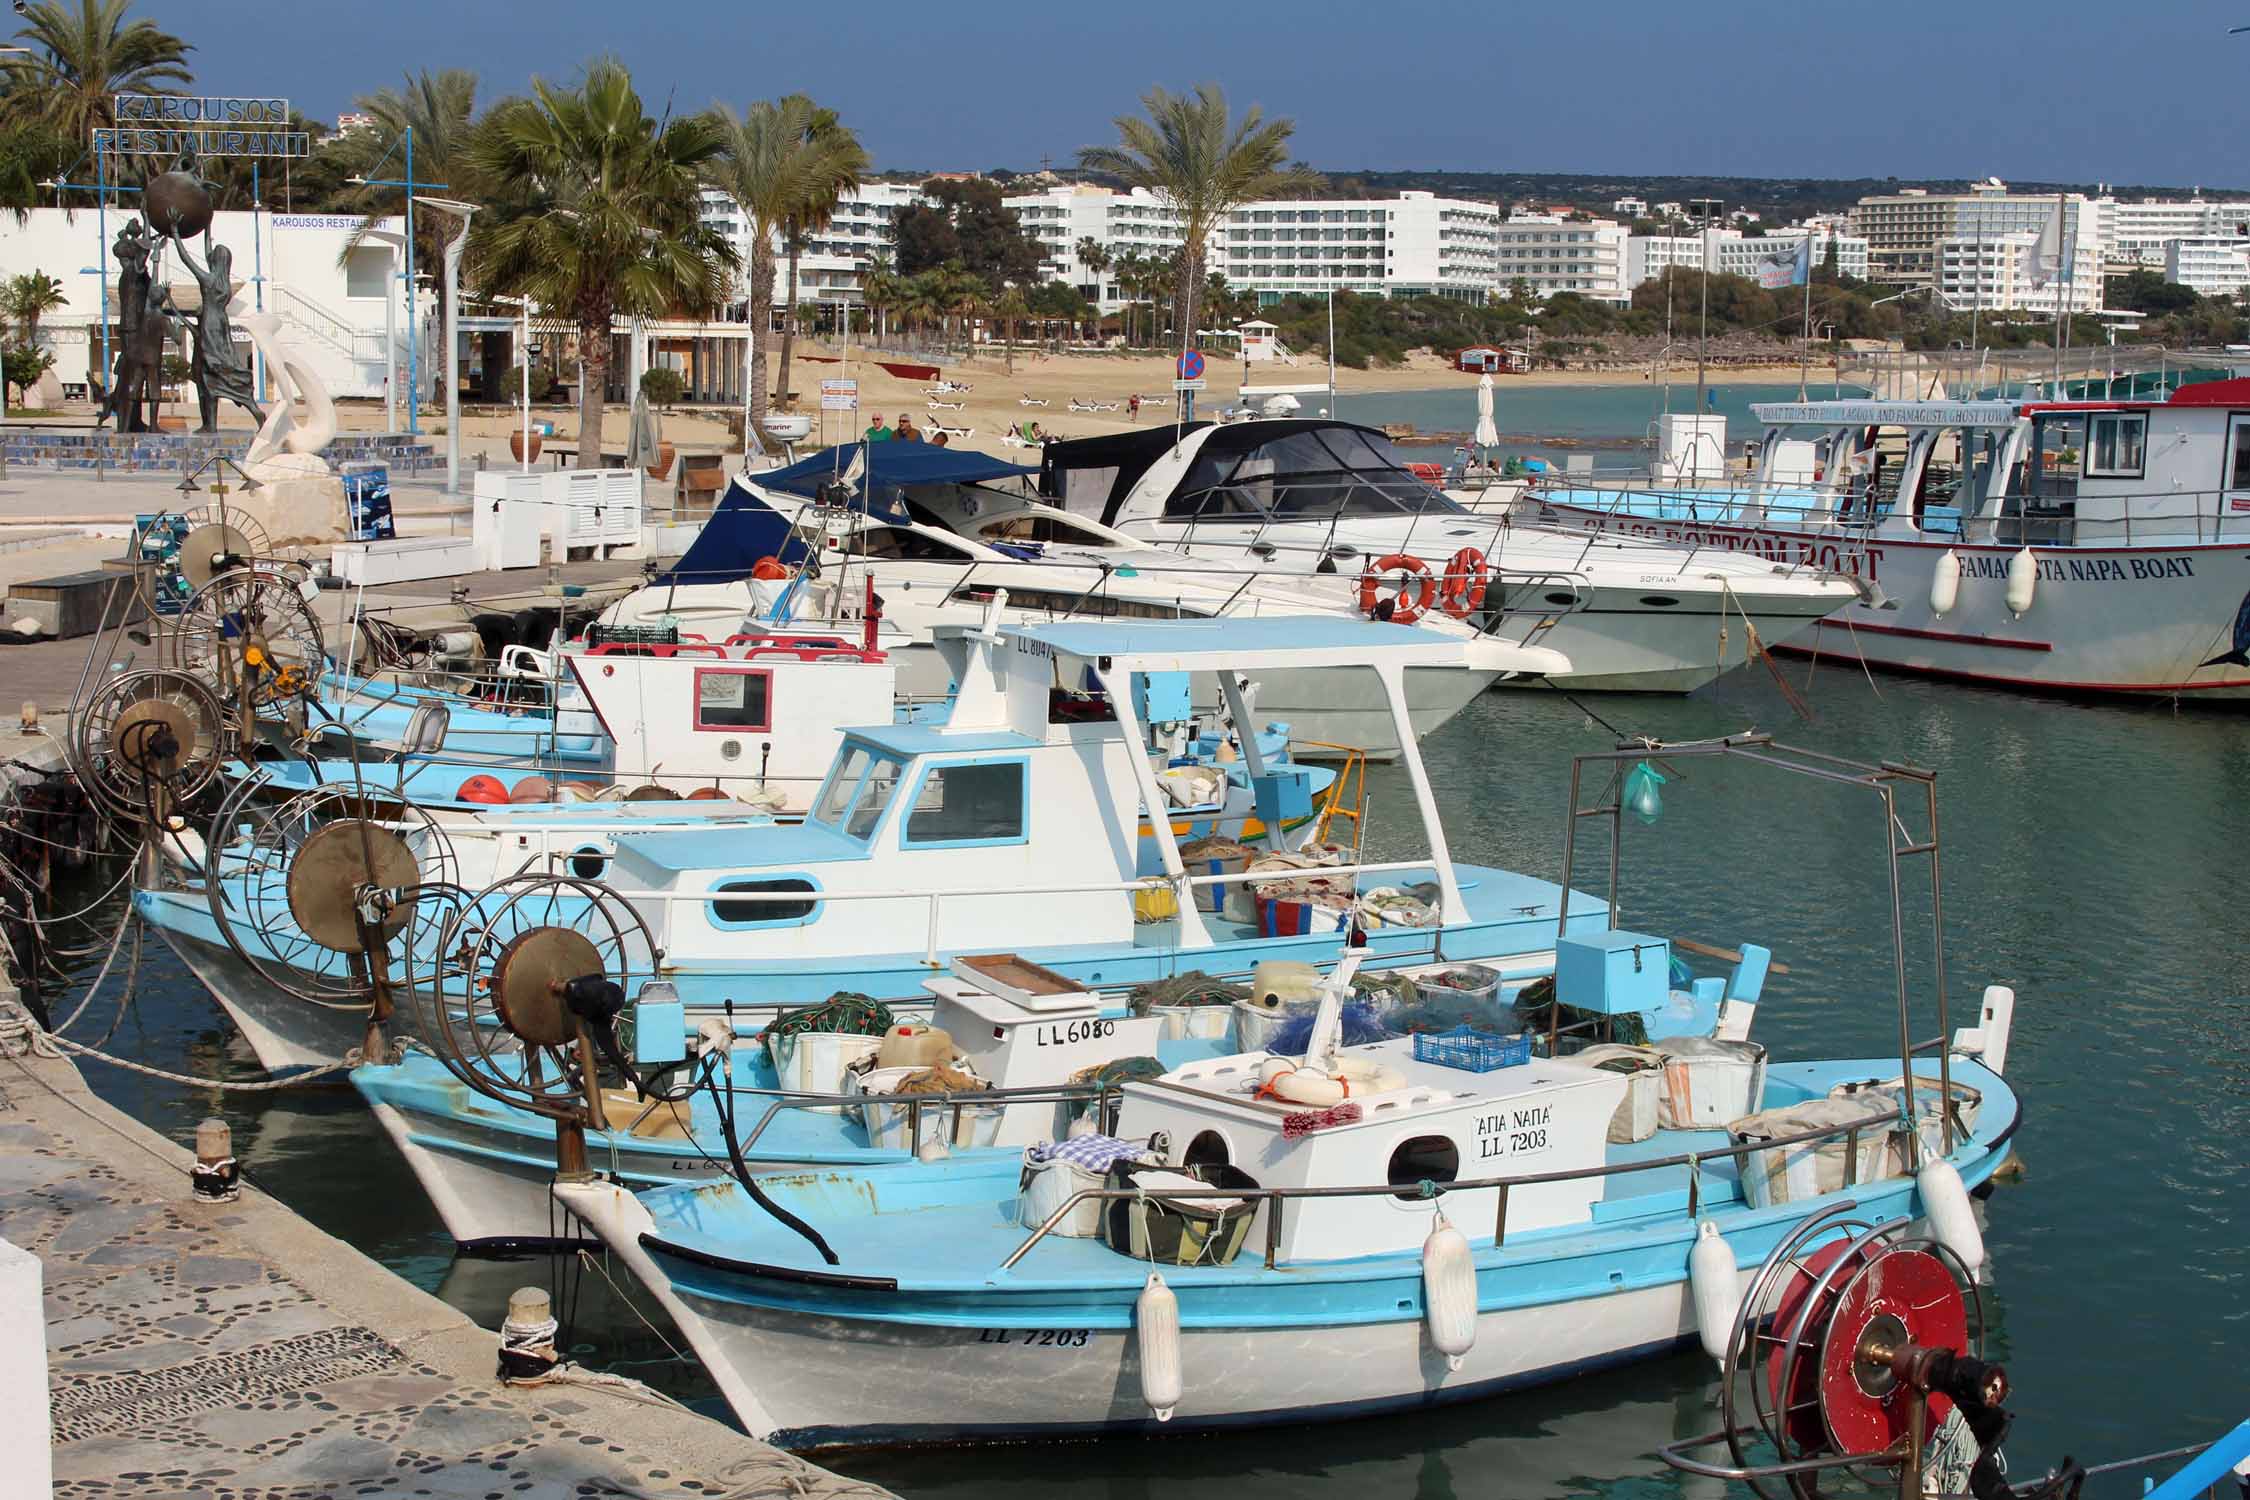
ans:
(1191, 365)
(1187, 385)
(839, 395)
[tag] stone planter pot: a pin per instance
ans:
(169, 423)
(515, 447)
(663, 465)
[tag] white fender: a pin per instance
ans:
(1945, 583)
(1716, 1282)
(2023, 579)
(1156, 1324)
(1449, 1292)
(1945, 1202)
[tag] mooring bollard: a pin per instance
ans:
(527, 1338)
(216, 1176)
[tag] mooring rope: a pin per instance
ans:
(21, 1033)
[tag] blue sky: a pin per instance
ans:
(2065, 90)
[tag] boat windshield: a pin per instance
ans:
(1308, 473)
(858, 790)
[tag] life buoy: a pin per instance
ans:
(1416, 590)
(1462, 593)
(768, 569)
(1282, 1079)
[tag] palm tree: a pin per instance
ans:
(32, 153)
(27, 299)
(603, 216)
(1007, 307)
(1188, 152)
(879, 288)
(920, 299)
(440, 109)
(1094, 256)
(82, 58)
(846, 161)
(961, 294)
(787, 163)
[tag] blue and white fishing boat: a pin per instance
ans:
(928, 840)
(1354, 1229)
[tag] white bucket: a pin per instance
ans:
(1255, 1025)
(887, 1124)
(1794, 1174)
(1046, 1185)
(815, 1062)
(1708, 1083)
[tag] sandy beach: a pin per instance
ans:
(1040, 389)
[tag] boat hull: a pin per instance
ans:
(2142, 620)
(1616, 649)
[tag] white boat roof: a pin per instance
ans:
(1243, 644)
(1888, 413)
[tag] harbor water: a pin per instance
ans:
(2086, 850)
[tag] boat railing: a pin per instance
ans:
(1275, 1198)
(917, 1106)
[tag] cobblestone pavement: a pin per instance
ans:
(233, 1352)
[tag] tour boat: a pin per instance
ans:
(1334, 504)
(1028, 800)
(2082, 546)
(939, 538)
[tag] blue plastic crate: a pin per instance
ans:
(1468, 1048)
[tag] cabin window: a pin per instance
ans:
(1424, 1158)
(842, 787)
(857, 791)
(763, 912)
(2238, 475)
(974, 802)
(588, 862)
(726, 698)
(2117, 446)
(874, 798)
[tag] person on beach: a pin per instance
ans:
(1133, 406)
(907, 432)
(878, 433)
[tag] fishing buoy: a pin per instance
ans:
(1945, 1202)
(1945, 583)
(533, 789)
(1156, 1323)
(1449, 1293)
(2023, 577)
(706, 794)
(481, 788)
(1717, 1284)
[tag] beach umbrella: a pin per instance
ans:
(1282, 405)
(641, 436)
(1488, 436)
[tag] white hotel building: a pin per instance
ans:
(1648, 256)
(2217, 267)
(1990, 273)
(1137, 222)
(1416, 244)
(1551, 254)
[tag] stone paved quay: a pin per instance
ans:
(233, 1352)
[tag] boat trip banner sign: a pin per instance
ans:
(208, 125)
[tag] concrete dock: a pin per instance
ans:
(230, 1351)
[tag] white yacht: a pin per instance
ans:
(933, 537)
(1322, 497)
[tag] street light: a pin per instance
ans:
(1703, 331)
(452, 334)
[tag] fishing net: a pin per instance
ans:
(1192, 988)
(1112, 1074)
(846, 1011)
(1536, 1011)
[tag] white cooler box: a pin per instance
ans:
(969, 1125)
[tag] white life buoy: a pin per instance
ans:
(1449, 1293)
(2023, 578)
(1156, 1324)
(1945, 583)
(1354, 1077)
(1716, 1281)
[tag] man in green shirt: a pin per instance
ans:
(878, 433)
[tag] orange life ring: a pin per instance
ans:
(1416, 590)
(768, 569)
(1462, 593)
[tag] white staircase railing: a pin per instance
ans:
(317, 320)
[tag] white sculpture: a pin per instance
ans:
(284, 431)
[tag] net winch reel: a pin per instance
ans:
(523, 995)
(250, 631)
(306, 890)
(148, 742)
(1853, 1344)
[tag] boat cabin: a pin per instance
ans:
(2014, 473)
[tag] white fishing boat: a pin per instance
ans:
(1353, 1229)
(1329, 500)
(2073, 546)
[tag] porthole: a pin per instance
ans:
(1208, 1149)
(588, 863)
(1423, 1158)
(1558, 598)
(1658, 601)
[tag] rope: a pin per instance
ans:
(20, 1034)
(95, 988)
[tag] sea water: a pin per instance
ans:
(2091, 856)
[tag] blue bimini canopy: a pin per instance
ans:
(743, 528)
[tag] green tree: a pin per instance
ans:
(1205, 166)
(663, 385)
(440, 109)
(82, 57)
(604, 219)
(1095, 258)
(28, 298)
(32, 153)
(845, 164)
(1010, 305)
(780, 160)
(879, 290)
(22, 366)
